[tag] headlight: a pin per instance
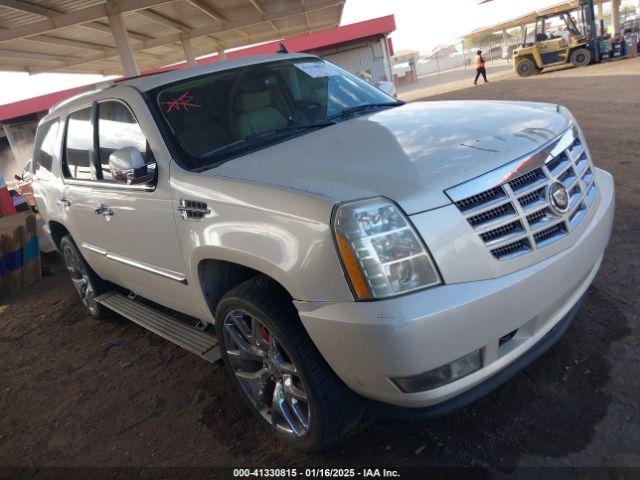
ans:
(381, 252)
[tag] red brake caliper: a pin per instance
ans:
(264, 333)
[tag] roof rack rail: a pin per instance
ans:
(96, 88)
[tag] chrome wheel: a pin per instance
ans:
(80, 279)
(266, 373)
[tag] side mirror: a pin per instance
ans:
(128, 167)
(387, 87)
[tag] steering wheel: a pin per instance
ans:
(303, 109)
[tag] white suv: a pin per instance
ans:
(330, 243)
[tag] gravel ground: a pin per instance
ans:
(77, 392)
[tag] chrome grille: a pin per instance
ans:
(481, 199)
(516, 217)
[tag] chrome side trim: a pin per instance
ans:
(175, 276)
(93, 248)
(514, 169)
(108, 186)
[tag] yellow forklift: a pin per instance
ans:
(558, 40)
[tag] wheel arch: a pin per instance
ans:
(217, 276)
(58, 232)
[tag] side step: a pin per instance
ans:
(160, 323)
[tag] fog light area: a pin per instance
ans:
(441, 375)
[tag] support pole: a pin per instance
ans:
(188, 50)
(222, 55)
(464, 57)
(437, 63)
(615, 17)
(504, 43)
(121, 38)
(388, 73)
(490, 50)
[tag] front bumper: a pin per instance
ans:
(368, 343)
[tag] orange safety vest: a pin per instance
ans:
(479, 61)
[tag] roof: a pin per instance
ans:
(144, 83)
(525, 19)
(75, 35)
(299, 43)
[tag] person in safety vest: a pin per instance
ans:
(480, 70)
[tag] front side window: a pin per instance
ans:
(45, 148)
(118, 128)
(218, 116)
(79, 145)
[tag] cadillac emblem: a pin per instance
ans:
(558, 198)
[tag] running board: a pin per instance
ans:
(190, 338)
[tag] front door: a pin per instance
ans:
(127, 233)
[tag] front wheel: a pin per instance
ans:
(526, 67)
(581, 57)
(87, 284)
(278, 370)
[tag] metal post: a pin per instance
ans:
(188, 50)
(490, 51)
(13, 147)
(464, 58)
(505, 46)
(615, 17)
(121, 38)
(437, 63)
(387, 61)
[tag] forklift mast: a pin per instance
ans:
(590, 29)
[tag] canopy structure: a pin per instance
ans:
(127, 36)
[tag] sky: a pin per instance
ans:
(421, 25)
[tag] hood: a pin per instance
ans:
(410, 154)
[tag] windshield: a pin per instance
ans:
(218, 116)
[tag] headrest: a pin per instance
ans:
(248, 101)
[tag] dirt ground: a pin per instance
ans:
(78, 392)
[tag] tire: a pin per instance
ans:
(87, 283)
(267, 321)
(580, 57)
(526, 67)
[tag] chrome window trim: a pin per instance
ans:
(99, 183)
(106, 185)
(514, 169)
(175, 276)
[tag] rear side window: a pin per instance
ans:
(46, 147)
(118, 128)
(79, 144)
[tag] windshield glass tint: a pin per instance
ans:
(208, 114)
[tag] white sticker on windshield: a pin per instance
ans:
(316, 69)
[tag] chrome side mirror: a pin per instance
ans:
(387, 87)
(128, 167)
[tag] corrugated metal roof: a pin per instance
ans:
(74, 35)
(300, 43)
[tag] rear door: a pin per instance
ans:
(127, 233)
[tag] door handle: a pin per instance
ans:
(63, 202)
(104, 211)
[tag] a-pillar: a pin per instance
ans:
(121, 39)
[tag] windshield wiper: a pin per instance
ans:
(361, 108)
(256, 138)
